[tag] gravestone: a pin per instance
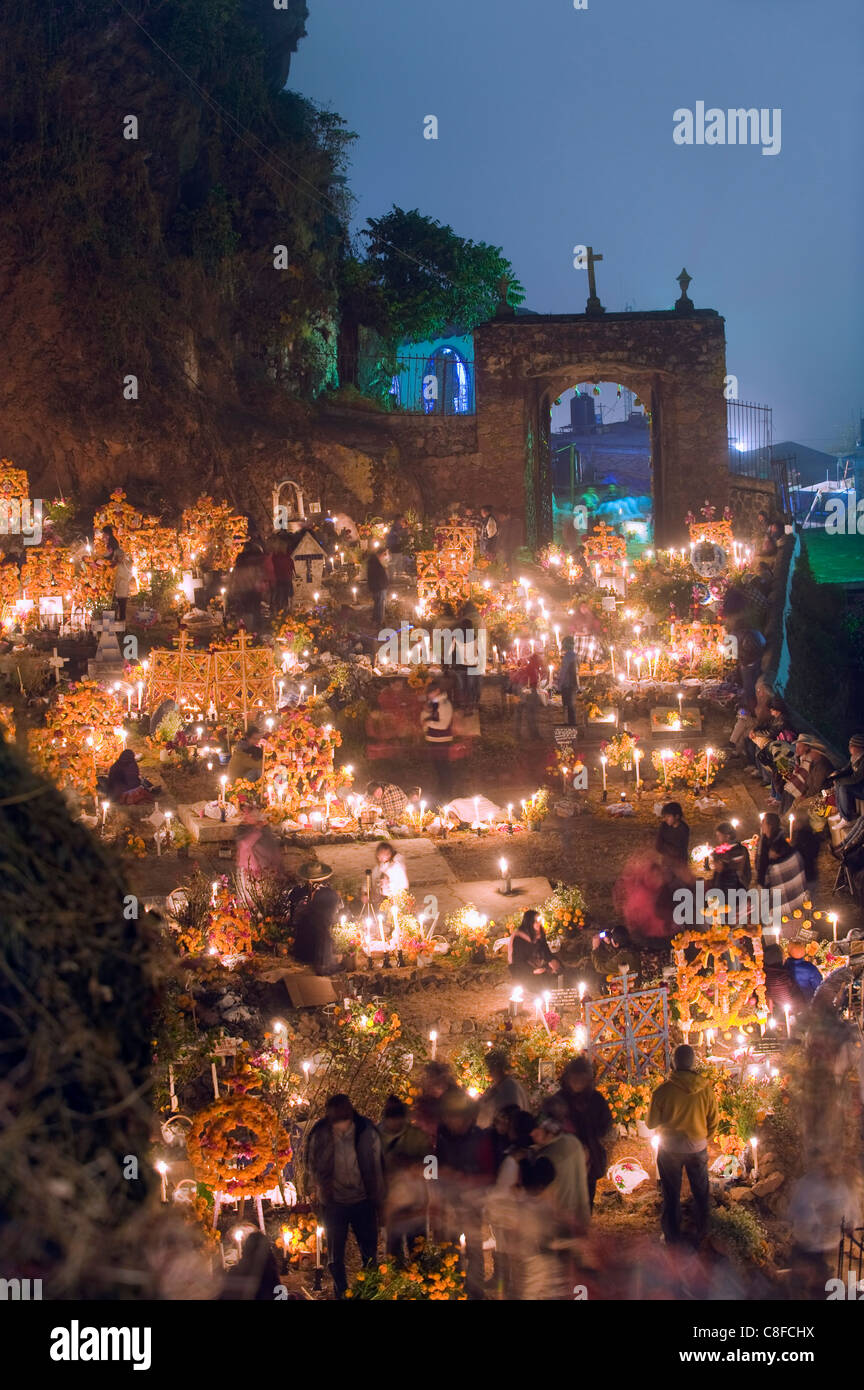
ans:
(107, 664)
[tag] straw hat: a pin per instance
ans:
(313, 871)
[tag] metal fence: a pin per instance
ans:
(749, 428)
(440, 384)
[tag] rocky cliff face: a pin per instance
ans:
(150, 169)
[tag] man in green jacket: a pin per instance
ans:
(684, 1110)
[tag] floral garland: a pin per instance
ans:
(227, 1162)
(210, 530)
(82, 733)
(297, 638)
(48, 571)
(14, 482)
(620, 749)
(94, 582)
(10, 585)
(723, 997)
(226, 931)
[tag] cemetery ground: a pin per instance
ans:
(588, 847)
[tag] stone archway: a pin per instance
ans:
(674, 360)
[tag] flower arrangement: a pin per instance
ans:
(10, 585)
(536, 808)
(709, 993)
(471, 933)
(237, 1145)
(94, 582)
(435, 1274)
(743, 1104)
(81, 734)
(564, 911)
(689, 769)
(247, 796)
(628, 1101)
(229, 931)
(620, 749)
(131, 844)
(298, 761)
(297, 1239)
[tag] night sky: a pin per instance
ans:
(555, 128)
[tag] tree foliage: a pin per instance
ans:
(419, 277)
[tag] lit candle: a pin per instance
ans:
(162, 1170)
(708, 755)
(515, 1001)
(628, 655)
(129, 700)
(222, 781)
(603, 761)
(655, 1144)
(637, 758)
(306, 1068)
(612, 655)
(786, 1012)
(755, 1145)
(505, 875)
(791, 823)
(433, 1038)
(319, 1231)
(833, 920)
(665, 755)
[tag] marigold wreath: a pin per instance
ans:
(215, 1148)
(723, 997)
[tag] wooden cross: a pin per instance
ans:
(58, 662)
(593, 305)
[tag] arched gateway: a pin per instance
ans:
(674, 360)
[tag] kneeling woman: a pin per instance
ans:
(125, 785)
(532, 963)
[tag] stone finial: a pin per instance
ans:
(685, 304)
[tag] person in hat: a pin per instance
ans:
(811, 771)
(569, 1191)
(313, 917)
(684, 1110)
(848, 781)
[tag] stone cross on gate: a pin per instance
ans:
(593, 305)
(107, 624)
(58, 662)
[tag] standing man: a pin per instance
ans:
(343, 1160)
(684, 1109)
(568, 679)
(377, 580)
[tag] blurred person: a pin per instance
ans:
(733, 853)
(377, 582)
(404, 1146)
(780, 867)
(255, 1276)
(389, 876)
(488, 532)
(504, 1089)
(568, 679)
(588, 1117)
(569, 1190)
(126, 786)
(466, 1171)
(346, 1172)
(437, 722)
(257, 853)
(436, 1082)
(246, 586)
(804, 974)
(284, 574)
(684, 1109)
(122, 567)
